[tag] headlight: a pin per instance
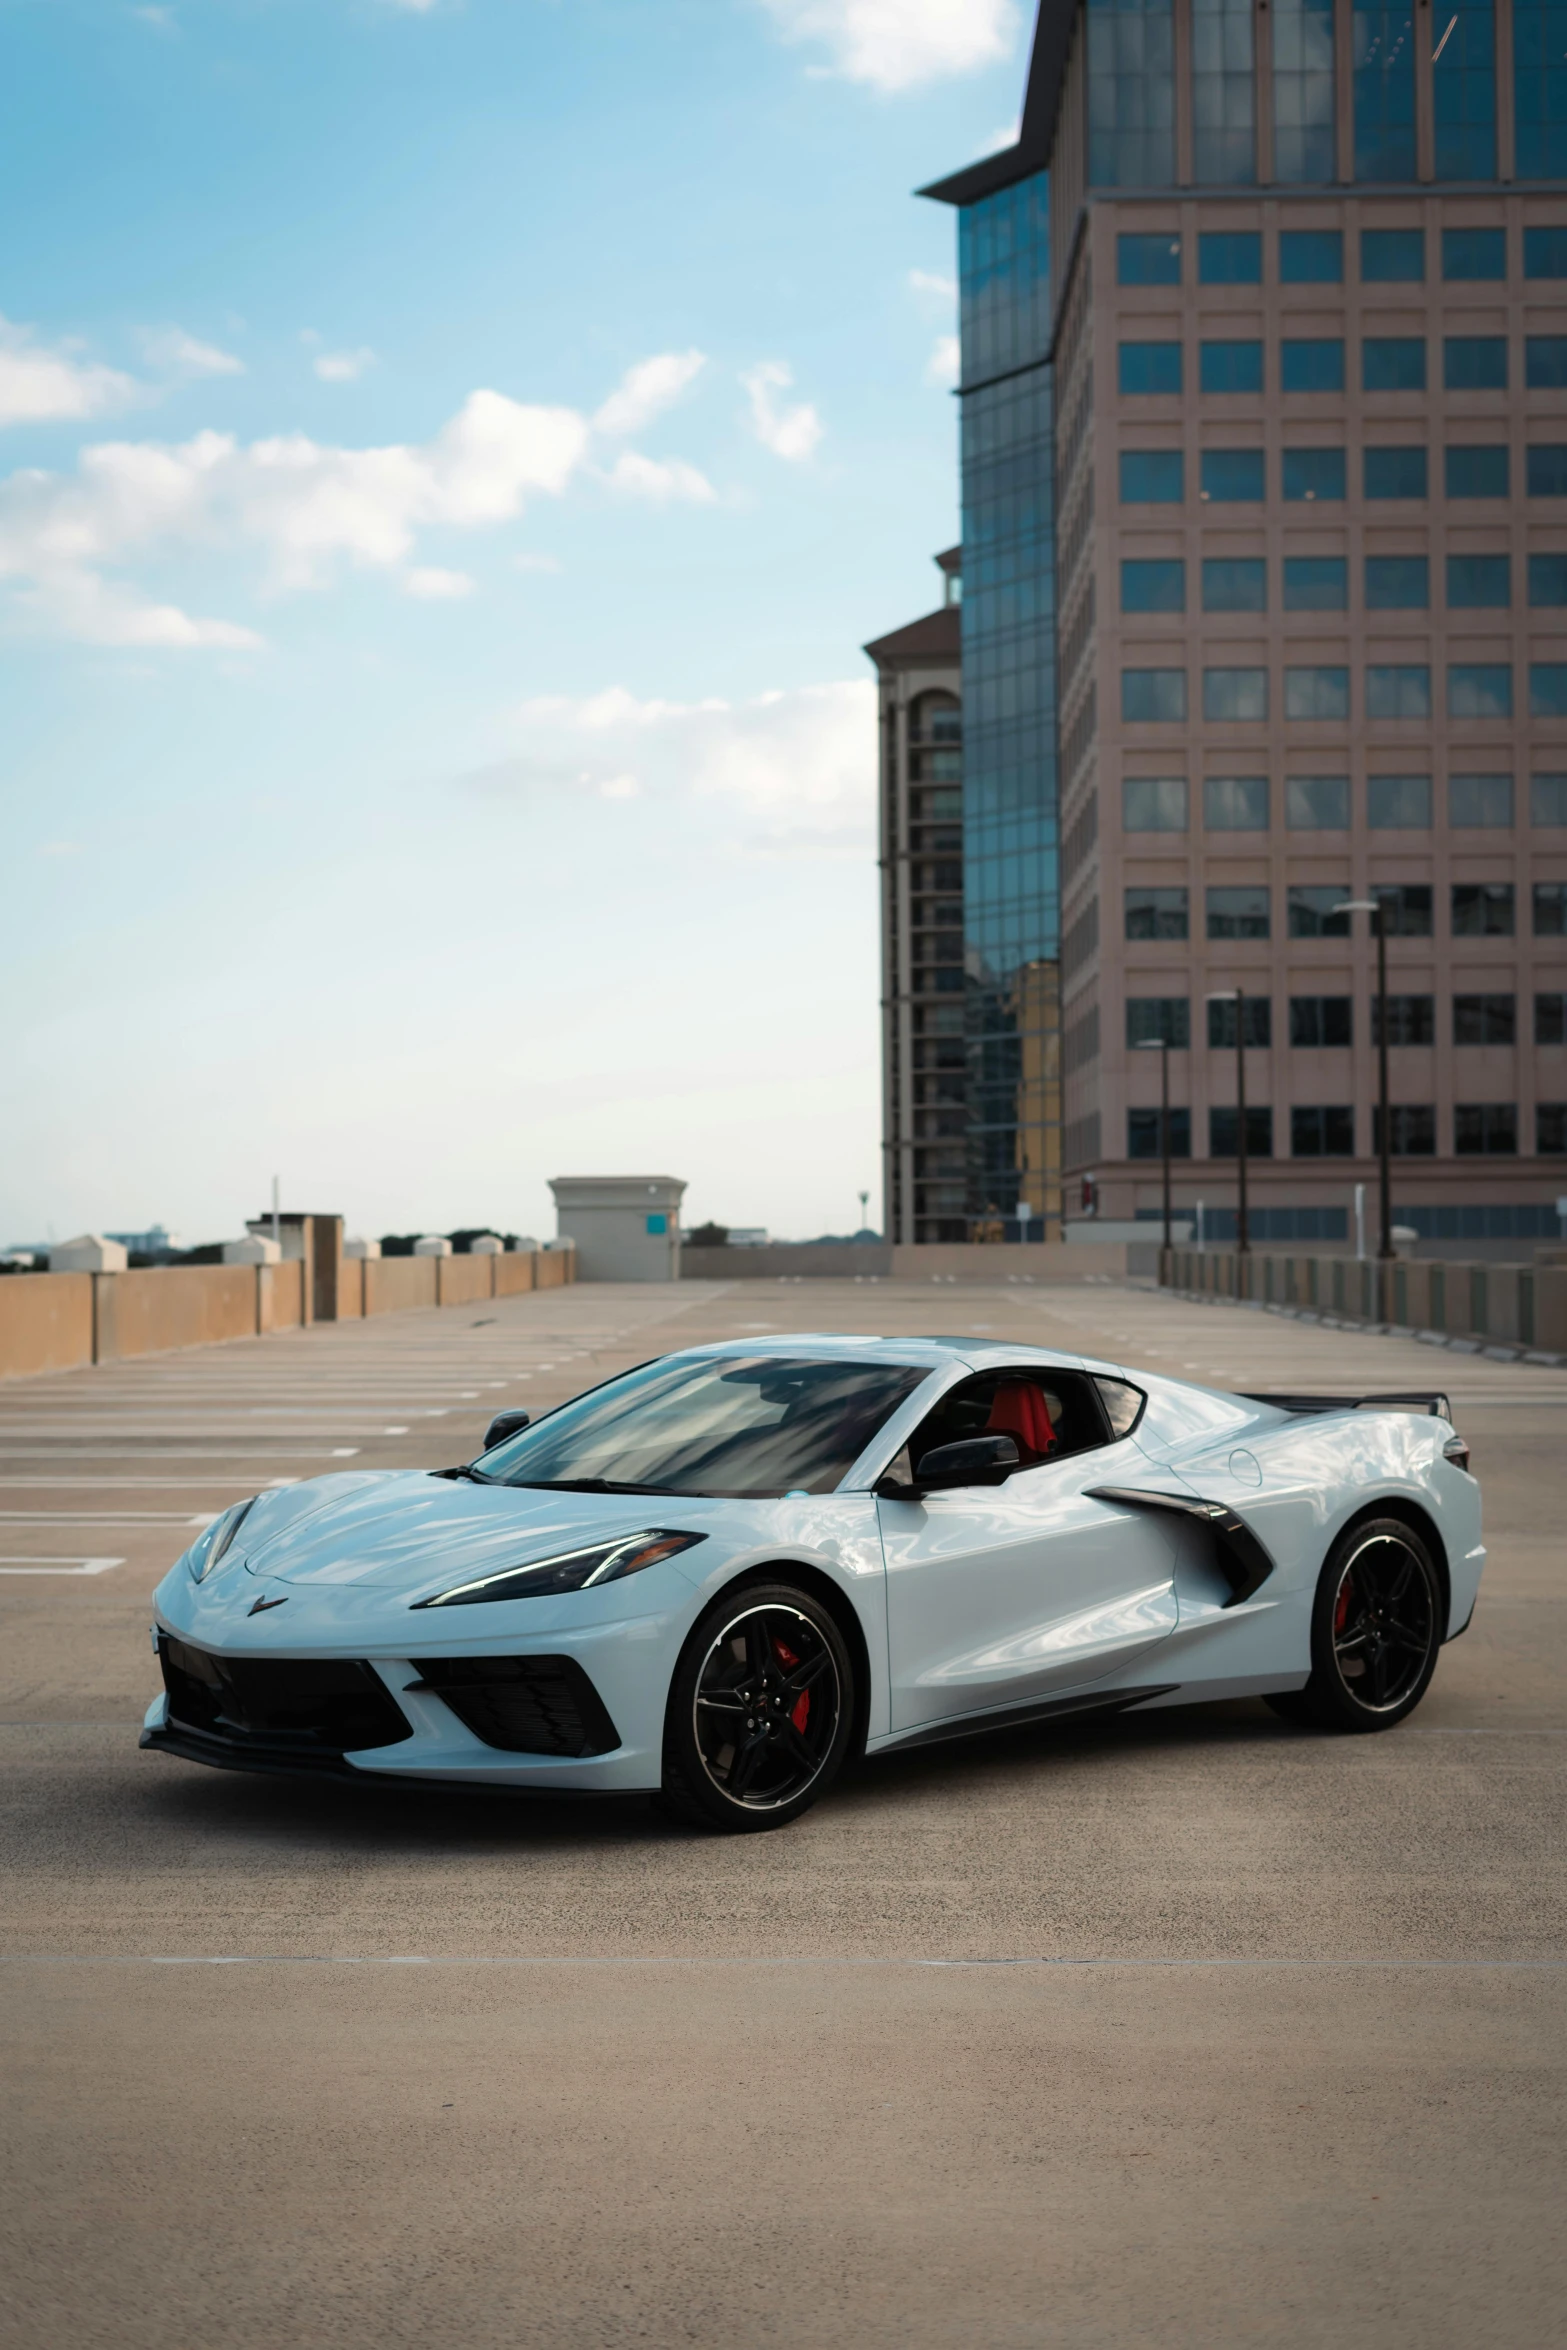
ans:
(211, 1545)
(569, 1570)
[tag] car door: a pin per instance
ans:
(999, 1595)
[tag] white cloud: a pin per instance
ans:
(945, 359)
(161, 20)
(434, 586)
(932, 286)
(1008, 136)
(646, 390)
(172, 348)
(343, 367)
(660, 478)
(39, 385)
(897, 44)
(789, 432)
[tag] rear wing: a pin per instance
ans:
(1428, 1401)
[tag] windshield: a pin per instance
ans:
(766, 1424)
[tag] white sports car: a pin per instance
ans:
(720, 1575)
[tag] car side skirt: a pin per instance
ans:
(1008, 1717)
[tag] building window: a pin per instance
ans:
(1398, 803)
(1150, 367)
(1312, 910)
(1539, 99)
(1486, 1130)
(1474, 363)
(1153, 587)
(1482, 909)
(1316, 583)
(1550, 1018)
(1548, 799)
(1152, 477)
(1545, 363)
(1406, 907)
(1316, 693)
(1479, 583)
(1158, 1019)
(1397, 583)
(1479, 689)
(1313, 256)
(1477, 472)
(1320, 1021)
(1156, 914)
(1547, 580)
(1153, 803)
(1231, 367)
(1544, 249)
(1463, 102)
(1485, 1019)
(1222, 1131)
(1395, 473)
(1411, 1130)
(1240, 694)
(1314, 474)
(1238, 911)
(1322, 1133)
(1309, 365)
(1550, 1129)
(1317, 803)
(1234, 583)
(1151, 695)
(1229, 257)
(1235, 803)
(1148, 260)
(1234, 477)
(1550, 909)
(1411, 1020)
(1144, 1139)
(1303, 95)
(1548, 689)
(1224, 129)
(1398, 693)
(1480, 801)
(1547, 470)
(1393, 363)
(1259, 1024)
(1131, 94)
(1392, 256)
(1469, 253)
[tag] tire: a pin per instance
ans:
(761, 1710)
(1376, 1628)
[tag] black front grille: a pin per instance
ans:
(280, 1706)
(527, 1704)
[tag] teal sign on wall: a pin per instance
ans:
(658, 1223)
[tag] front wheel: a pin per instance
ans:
(1376, 1627)
(760, 1711)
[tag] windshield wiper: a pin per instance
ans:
(473, 1476)
(582, 1485)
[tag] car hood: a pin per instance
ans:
(410, 1531)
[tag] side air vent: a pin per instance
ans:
(1240, 1557)
(526, 1704)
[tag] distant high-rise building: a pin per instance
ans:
(1264, 395)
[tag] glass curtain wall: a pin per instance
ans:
(1303, 106)
(1224, 94)
(1010, 866)
(1463, 89)
(1131, 94)
(1384, 90)
(1540, 88)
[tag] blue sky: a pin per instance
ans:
(450, 458)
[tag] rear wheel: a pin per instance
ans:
(1376, 1628)
(760, 1711)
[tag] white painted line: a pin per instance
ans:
(619, 1963)
(342, 1452)
(103, 1518)
(78, 1566)
(394, 1431)
(124, 1484)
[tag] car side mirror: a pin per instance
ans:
(977, 1460)
(503, 1425)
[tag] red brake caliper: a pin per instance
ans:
(787, 1658)
(1341, 1611)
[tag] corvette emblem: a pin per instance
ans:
(259, 1607)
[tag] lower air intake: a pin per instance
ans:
(277, 1706)
(526, 1704)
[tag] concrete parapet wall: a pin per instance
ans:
(967, 1261)
(395, 1284)
(46, 1322)
(513, 1275)
(1502, 1305)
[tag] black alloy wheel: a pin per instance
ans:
(760, 1711)
(1376, 1627)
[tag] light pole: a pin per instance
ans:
(1374, 907)
(1161, 1046)
(1237, 997)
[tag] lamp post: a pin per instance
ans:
(1375, 908)
(1161, 1046)
(1237, 997)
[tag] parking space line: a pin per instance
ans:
(54, 1566)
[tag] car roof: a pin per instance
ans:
(936, 1352)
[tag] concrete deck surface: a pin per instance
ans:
(1188, 2030)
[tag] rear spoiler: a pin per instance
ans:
(1426, 1400)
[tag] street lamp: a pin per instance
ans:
(1374, 907)
(1237, 997)
(1161, 1046)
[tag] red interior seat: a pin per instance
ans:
(1019, 1411)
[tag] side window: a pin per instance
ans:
(1047, 1413)
(1123, 1405)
